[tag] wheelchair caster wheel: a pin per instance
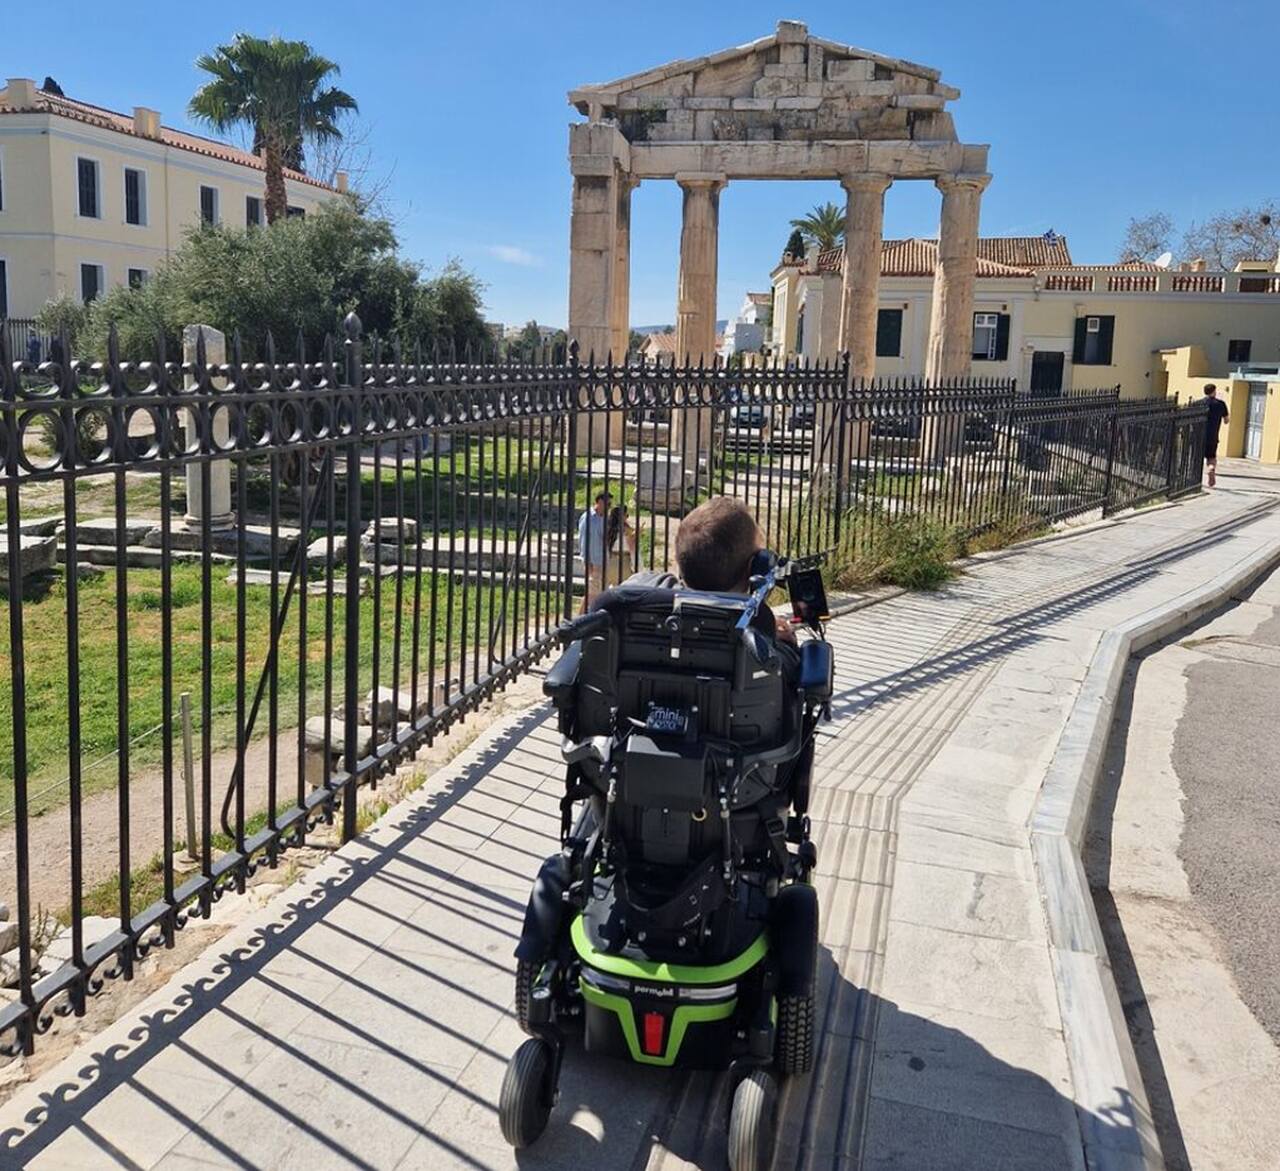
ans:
(752, 1122)
(527, 1095)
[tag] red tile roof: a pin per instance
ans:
(65, 107)
(919, 257)
(661, 343)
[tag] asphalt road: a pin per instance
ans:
(1227, 755)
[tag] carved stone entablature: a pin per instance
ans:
(788, 87)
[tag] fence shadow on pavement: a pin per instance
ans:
(64, 1108)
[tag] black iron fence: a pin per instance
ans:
(385, 542)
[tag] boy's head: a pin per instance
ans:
(715, 545)
(1210, 390)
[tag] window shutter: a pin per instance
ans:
(1106, 332)
(1002, 337)
(1077, 354)
(889, 333)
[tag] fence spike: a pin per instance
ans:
(113, 345)
(235, 346)
(268, 349)
(302, 349)
(328, 349)
(352, 326)
(200, 348)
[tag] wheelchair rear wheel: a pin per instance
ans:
(526, 973)
(524, 1103)
(793, 1052)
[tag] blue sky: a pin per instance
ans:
(1095, 111)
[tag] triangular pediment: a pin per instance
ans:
(789, 86)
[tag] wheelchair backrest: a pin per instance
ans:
(680, 650)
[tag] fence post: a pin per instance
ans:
(842, 459)
(1111, 460)
(189, 774)
(351, 666)
(1168, 455)
(571, 471)
(1006, 504)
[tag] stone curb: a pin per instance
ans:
(1111, 1104)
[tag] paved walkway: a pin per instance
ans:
(365, 1021)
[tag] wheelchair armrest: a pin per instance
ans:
(562, 679)
(817, 670)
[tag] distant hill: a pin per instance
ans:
(720, 328)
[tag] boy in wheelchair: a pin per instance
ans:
(678, 926)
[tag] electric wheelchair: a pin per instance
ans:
(677, 926)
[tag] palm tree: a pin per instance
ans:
(824, 226)
(274, 87)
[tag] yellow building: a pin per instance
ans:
(1041, 319)
(1251, 391)
(91, 199)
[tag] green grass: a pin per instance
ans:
(45, 635)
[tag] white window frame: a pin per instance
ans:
(991, 321)
(97, 186)
(102, 279)
(261, 212)
(146, 274)
(1093, 325)
(143, 210)
(217, 204)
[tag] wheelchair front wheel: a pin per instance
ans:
(752, 1122)
(524, 1103)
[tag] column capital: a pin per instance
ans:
(948, 183)
(627, 181)
(702, 180)
(870, 182)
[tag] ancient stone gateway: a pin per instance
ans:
(788, 106)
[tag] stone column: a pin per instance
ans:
(860, 293)
(699, 255)
(591, 258)
(219, 471)
(620, 307)
(696, 300)
(592, 252)
(863, 244)
(951, 320)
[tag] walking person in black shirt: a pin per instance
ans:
(1218, 415)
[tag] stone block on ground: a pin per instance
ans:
(318, 550)
(94, 928)
(393, 528)
(317, 726)
(103, 532)
(36, 555)
(390, 705)
(660, 483)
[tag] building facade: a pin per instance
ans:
(748, 332)
(1041, 319)
(91, 199)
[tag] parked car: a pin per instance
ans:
(801, 417)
